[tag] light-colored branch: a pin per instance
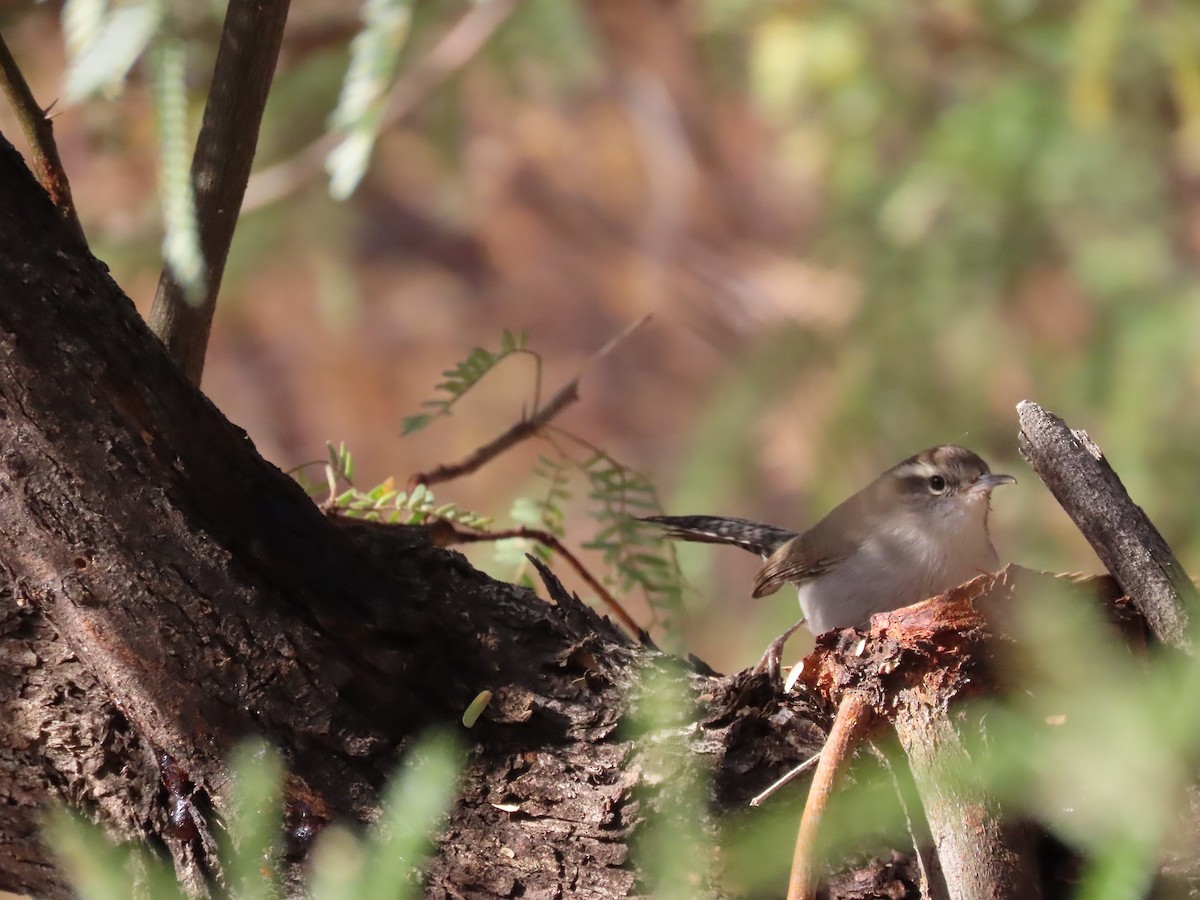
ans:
(854, 718)
(1131, 548)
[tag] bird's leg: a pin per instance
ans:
(773, 656)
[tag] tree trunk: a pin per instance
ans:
(165, 592)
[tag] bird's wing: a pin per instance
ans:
(785, 565)
(752, 536)
(821, 549)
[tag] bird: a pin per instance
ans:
(917, 530)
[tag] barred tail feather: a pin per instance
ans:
(753, 536)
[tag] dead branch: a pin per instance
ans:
(525, 428)
(1131, 548)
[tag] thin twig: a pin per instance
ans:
(854, 717)
(922, 869)
(520, 431)
(39, 134)
(457, 47)
(761, 797)
(1131, 548)
(523, 429)
(447, 534)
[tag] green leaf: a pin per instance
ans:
(105, 47)
(181, 242)
(414, 803)
(96, 868)
(254, 825)
(359, 114)
(414, 423)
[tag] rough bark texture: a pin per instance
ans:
(165, 592)
(1131, 548)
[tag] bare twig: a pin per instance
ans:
(926, 885)
(520, 431)
(523, 429)
(456, 48)
(447, 534)
(1131, 548)
(854, 717)
(39, 134)
(762, 796)
(224, 153)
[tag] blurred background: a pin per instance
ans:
(860, 228)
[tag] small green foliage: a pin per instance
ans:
(637, 557)
(251, 843)
(384, 862)
(104, 42)
(374, 53)
(511, 552)
(674, 843)
(181, 240)
(99, 869)
(543, 512)
(464, 376)
(384, 502)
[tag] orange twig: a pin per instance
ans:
(854, 717)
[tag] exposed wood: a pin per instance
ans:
(916, 666)
(1131, 548)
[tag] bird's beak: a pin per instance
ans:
(986, 482)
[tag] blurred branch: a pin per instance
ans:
(1131, 548)
(39, 134)
(523, 429)
(457, 47)
(242, 78)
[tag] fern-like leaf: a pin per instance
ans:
(464, 376)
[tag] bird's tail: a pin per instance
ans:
(752, 536)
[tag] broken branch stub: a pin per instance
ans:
(1131, 548)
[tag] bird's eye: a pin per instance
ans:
(937, 483)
